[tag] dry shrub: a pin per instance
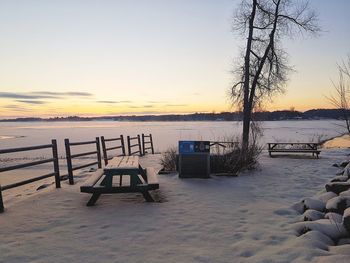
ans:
(228, 161)
(169, 159)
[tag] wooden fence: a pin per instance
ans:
(105, 149)
(132, 144)
(54, 160)
(147, 143)
(70, 156)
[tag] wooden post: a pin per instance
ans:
(139, 141)
(151, 140)
(129, 148)
(143, 144)
(105, 157)
(69, 162)
(123, 145)
(55, 164)
(98, 153)
(1, 202)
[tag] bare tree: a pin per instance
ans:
(341, 98)
(264, 67)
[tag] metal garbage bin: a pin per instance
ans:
(194, 159)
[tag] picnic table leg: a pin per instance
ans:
(93, 199)
(147, 196)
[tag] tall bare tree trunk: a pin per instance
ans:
(246, 89)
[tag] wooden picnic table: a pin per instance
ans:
(123, 174)
(293, 147)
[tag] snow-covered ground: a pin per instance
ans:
(223, 219)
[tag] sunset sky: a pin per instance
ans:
(111, 57)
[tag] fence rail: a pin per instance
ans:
(70, 156)
(147, 143)
(137, 144)
(54, 160)
(105, 149)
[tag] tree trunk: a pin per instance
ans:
(246, 85)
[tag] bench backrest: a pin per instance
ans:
(54, 160)
(147, 144)
(70, 156)
(134, 145)
(105, 149)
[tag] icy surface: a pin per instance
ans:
(243, 219)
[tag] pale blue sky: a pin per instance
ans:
(147, 56)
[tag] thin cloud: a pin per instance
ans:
(12, 95)
(113, 102)
(107, 102)
(43, 95)
(35, 102)
(142, 107)
(62, 94)
(16, 108)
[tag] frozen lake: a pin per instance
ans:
(165, 134)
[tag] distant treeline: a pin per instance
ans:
(315, 114)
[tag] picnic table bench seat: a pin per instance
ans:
(122, 175)
(294, 147)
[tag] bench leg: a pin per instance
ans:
(147, 196)
(93, 199)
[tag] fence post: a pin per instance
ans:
(98, 152)
(151, 140)
(105, 158)
(143, 144)
(69, 162)
(123, 145)
(129, 148)
(1, 202)
(139, 140)
(55, 164)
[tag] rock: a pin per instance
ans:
(346, 171)
(338, 204)
(343, 241)
(337, 187)
(334, 217)
(344, 164)
(339, 178)
(312, 215)
(314, 239)
(326, 196)
(345, 193)
(314, 203)
(299, 207)
(335, 165)
(346, 219)
(340, 173)
(332, 230)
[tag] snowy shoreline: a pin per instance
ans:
(243, 219)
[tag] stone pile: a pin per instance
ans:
(328, 213)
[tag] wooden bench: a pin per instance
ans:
(122, 175)
(295, 147)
